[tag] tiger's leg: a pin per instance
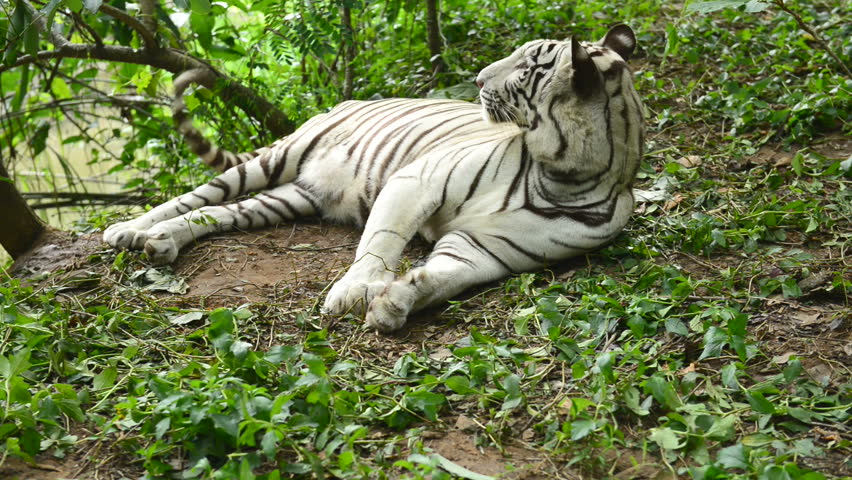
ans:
(251, 176)
(398, 212)
(285, 202)
(457, 263)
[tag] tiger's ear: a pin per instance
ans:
(586, 78)
(620, 39)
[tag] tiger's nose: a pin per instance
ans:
(479, 83)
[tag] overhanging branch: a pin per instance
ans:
(175, 61)
(144, 33)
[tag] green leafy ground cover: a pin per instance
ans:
(710, 341)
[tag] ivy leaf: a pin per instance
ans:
(715, 5)
(221, 329)
(202, 25)
(758, 440)
(714, 340)
(457, 470)
(723, 428)
(631, 399)
(426, 402)
(676, 326)
(92, 5)
(230, 424)
(733, 457)
(755, 6)
(582, 428)
(31, 441)
(75, 5)
(512, 385)
(16, 364)
(269, 443)
(240, 349)
(459, 384)
(729, 375)
(105, 379)
(666, 438)
(759, 403)
(806, 448)
(663, 392)
(162, 427)
(66, 400)
(186, 317)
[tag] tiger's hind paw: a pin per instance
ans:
(351, 297)
(161, 247)
(389, 310)
(384, 315)
(124, 235)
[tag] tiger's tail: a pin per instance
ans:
(217, 158)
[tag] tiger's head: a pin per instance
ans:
(522, 87)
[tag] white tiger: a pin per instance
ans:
(541, 171)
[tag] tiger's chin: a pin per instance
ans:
(503, 118)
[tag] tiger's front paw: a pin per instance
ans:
(161, 247)
(125, 235)
(351, 296)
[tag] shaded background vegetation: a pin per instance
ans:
(768, 78)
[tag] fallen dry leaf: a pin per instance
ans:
(687, 369)
(806, 317)
(783, 358)
(675, 201)
(690, 161)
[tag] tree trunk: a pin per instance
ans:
(348, 53)
(20, 228)
(434, 40)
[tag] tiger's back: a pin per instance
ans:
(345, 157)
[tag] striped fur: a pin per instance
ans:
(541, 171)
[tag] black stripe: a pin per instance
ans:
(222, 185)
(269, 206)
(241, 170)
(532, 255)
(455, 257)
(202, 197)
(241, 211)
(313, 143)
(412, 127)
(522, 169)
(264, 165)
(365, 209)
(293, 212)
(475, 183)
(280, 162)
(217, 160)
(485, 249)
(378, 130)
(303, 192)
(263, 216)
(385, 230)
(181, 204)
